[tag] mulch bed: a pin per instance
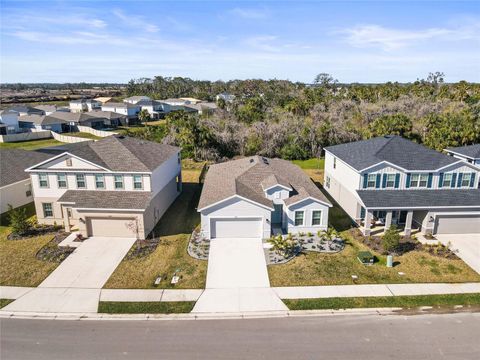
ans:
(142, 248)
(36, 230)
(52, 252)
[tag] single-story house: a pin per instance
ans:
(42, 122)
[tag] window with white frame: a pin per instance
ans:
(47, 210)
(99, 181)
(466, 179)
(137, 182)
(371, 180)
(299, 215)
(419, 180)
(62, 181)
(118, 179)
(316, 217)
(43, 180)
(447, 180)
(81, 184)
(390, 182)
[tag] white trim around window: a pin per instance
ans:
(118, 180)
(137, 182)
(371, 181)
(302, 218)
(390, 181)
(43, 181)
(466, 178)
(99, 181)
(62, 181)
(80, 181)
(447, 180)
(319, 219)
(47, 210)
(419, 180)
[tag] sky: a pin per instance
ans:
(360, 41)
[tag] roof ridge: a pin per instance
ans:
(390, 138)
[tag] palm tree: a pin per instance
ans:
(329, 235)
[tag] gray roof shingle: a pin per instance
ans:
(94, 199)
(470, 151)
(394, 149)
(13, 163)
(244, 177)
(420, 198)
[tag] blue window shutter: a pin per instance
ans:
(377, 183)
(440, 180)
(397, 181)
(384, 181)
(362, 212)
(460, 177)
(472, 180)
(454, 180)
(429, 182)
(365, 180)
(407, 183)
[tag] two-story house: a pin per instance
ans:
(129, 110)
(256, 197)
(392, 180)
(116, 186)
(82, 105)
(155, 108)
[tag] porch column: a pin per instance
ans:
(388, 220)
(408, 224)
(66, 220)
(367, 223)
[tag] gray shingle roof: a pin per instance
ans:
(41, 119)
(105, 114)
(470, 151)
(25, 109)
(13, 163)
(394, 149)
(420, 198)
(244, 177)
(94, 199)
(123, 153)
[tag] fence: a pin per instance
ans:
(68, 139)
(26, 136)
(99, 133)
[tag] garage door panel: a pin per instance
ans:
(110, 227)
(236, 228)
(457, 224)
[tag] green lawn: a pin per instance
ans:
(157, 307)
(5, 217)
(171, 255)
(31, 145)
(83, 135)
(5, 302)
(315, 163)
(385, 301)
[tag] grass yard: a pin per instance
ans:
(311, 268)
(154, 307)
(83, 135)
(311, 164)
(31, 145)
(18, 265)
(384, 301)
(5, 302)
(171, 256)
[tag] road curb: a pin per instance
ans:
(194, 316)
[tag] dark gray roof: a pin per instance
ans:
(420, 198)
(470, 151)
(41, 119)
(244, 177)
(94, 199)
(13, 163)
(106, 114)
(123, 153)
(25, 109)
(394, 149)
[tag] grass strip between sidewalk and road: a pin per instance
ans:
(383, 301)
(153, 307)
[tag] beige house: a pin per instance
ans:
(115, 187)
(15, 185)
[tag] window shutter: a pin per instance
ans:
(407, 183)
(454, 180)
(460, 177)
(384, 181)
(365, 180)
(440, 180)
(429, 182)
(362, 212)
(397, 181)
(472, 180)
(377, 183)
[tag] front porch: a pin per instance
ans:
(376, 222)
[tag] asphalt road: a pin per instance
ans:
(451, 336)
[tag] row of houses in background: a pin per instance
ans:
(99, 113)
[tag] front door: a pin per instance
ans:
(277, 214)
(403, 217)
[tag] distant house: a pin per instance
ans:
(103, 99)
(73, 119)
(82, 105)
(225, 96)
(42, 122)
(469, 153)
(110, 119)
(136, 99)
(202, 108)
(129, 110)
(26, 110)
(48, 109)
(15, 184)
(8, 122)
(176, 104)
(156, 109)
(191, 100)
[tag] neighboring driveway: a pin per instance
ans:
(237, 279)
(75, 284)
(466, 245)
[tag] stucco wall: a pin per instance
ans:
(308, 206)
(15, 195)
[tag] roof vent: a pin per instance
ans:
(265, 160)
(251, 160)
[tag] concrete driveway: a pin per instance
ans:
(466, 245)
(75, 285)
(237, 279)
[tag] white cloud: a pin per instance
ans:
(135, 21)
(390, 39)
(250, 13)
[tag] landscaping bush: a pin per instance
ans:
(391, 239)
(19, 220)
(285, 247)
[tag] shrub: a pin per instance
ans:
(286, 247)
(391, 239)
(18, 220)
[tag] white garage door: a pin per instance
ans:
(236, 228)
(457, 224)
(110, 227)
